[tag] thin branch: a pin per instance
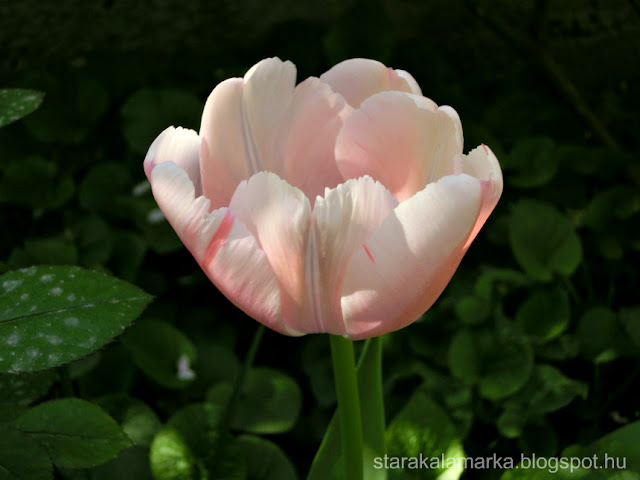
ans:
(527, 47)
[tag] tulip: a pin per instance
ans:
(341, 205)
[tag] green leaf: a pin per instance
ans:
(161, 351)
(588, 161)
(270, 402)
(621, 445)
(25, 388)
(58, 314)
(137, 420)
(463, 357)
(506, 362)
(543, 240)
(75, 433)
(170, 458)
(131, 464)
(328, 462)
(94, 239)
(545, 314)
(472, 310)
(550, 390)
(562, 348)
(35, 183)
(423, 429)
(511, 421)
(105, 189)
(614, 202)
(129, 250)
(533, 161)
(265, 460)
(75, 102)
(630, 318)
(189, 447)
(596, 333)
(47, 251)
(21, 458)
(316, 362)
(499, 280)
(16, 103)
(148, 112)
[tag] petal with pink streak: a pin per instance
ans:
(240, 125)
(359, 78)
(402, 140)
(344, 221)
(312, 122)
(417, 250)
(222, 245)
(180, 146)
(278, 216)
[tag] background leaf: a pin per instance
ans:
(74, 432)
(21, 458)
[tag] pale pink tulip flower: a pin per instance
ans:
(341, 205)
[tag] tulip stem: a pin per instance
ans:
(344, 371)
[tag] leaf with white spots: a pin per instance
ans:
(16, 103)
(51, 315)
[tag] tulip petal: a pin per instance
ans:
(311, 125)
(402, 140)
(222, 245)
(482, 164)
(358, 78)
(416, 249)
(180, 146)
(240, 125)
(344, 220)
(278, 215)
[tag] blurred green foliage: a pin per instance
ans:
(534, 348)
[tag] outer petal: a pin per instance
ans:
(416, 249)
(222, 245)
(311, 125)
(344, 221)
(404, 141)
(240, 123)
(482, 164)
(358, 78)
(180, 146)
(279, 217)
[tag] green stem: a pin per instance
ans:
(344, 371)
(238, 384)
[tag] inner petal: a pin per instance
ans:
(402, 140)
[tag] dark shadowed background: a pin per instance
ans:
(535, 345)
